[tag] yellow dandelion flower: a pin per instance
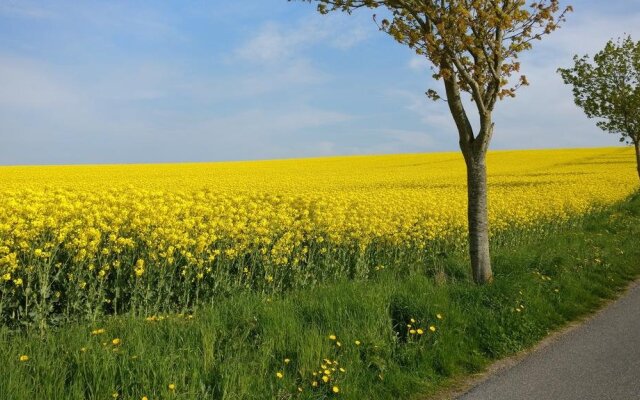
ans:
(432, 328)
(333, 337)
(335, 389)
(287, 361)
(279, 375)
(419, 331)
(439, 316)
(358, 343)
(412, 331)
(24, 358)
(116, 341)
(172, 386)
(325, 378)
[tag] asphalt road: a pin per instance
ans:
(598, 360)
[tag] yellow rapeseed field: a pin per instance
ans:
(114, 237)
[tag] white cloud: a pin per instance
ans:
(27, 84)
(274, 43)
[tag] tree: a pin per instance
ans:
(473, 46)
(609, 89)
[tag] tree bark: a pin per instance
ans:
(636, 143)
(478, 218)
(474, 150)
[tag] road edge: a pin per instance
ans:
(466, 384)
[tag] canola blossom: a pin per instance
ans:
(80, 241)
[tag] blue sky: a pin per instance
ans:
(148, 81)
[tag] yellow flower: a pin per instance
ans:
(279, 375)
(432, 328)
(172, 386)
(116, 341)
(144, 398)
(335, 389)
(98, 331)
(326, 372)
(419, 331)
(439, 316)
(325, 378)
(18, 282)
(338, 344)
(314, 383)
(24, 358)
(6, 277)
(115, 395)
(357, 342)
(332, 337)
(287, 361)
(412, 331)
(342, 369)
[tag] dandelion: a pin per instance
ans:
(335, 389)
(144, 398)
(24, 358)
(172, 386)
(18, 282)
(314, 383)
(419, 331)
(287, 361)
(279, 375)
(116, 341)
(439, 316)
(98, 331)
(412, 331)
(325, 378)
(432, 328)
(358, 343)
(332, 337)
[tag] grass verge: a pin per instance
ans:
(256, 347)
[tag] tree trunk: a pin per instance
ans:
(636, 143)
(478, 218)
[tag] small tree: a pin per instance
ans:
(609, 89)
(473, 46)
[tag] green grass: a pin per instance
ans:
(234, 348)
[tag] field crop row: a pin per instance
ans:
(81, 242)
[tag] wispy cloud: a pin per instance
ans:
(278, 43)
